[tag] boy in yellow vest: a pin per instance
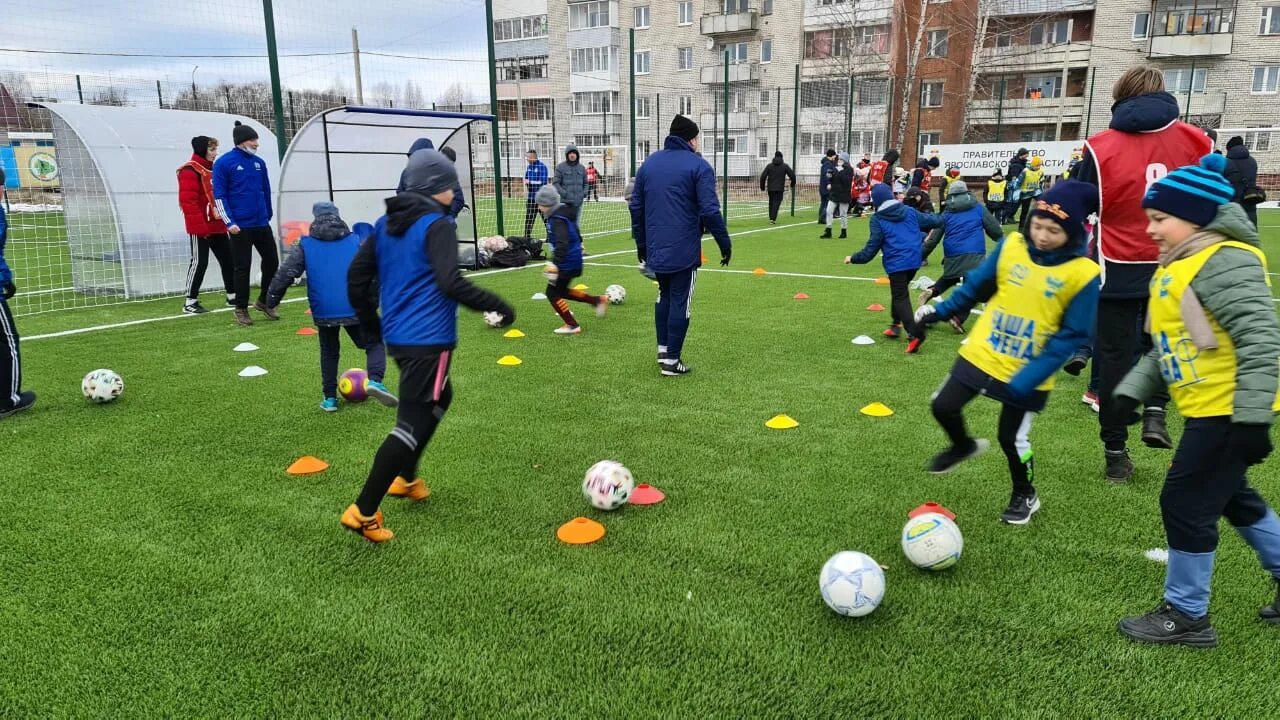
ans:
(995, 196)
(1042, 302)
(1217, 348)
(1032, 184)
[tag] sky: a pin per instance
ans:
(134, 44)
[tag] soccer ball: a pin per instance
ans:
(493, 319)
(616, 294)
(932, 541)
(102, 386)
(608, 485)
(852, 584)
(354, 385)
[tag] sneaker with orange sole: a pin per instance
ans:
(417, 491)
(370, 528)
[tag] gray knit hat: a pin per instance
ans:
(957, 187)
(547, 196)
(429, 172)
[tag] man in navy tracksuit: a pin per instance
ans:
(825, 171)
(673, 201)
(409, 266)
(535, 176)
(325, 254)
(12, 397)
(242, 193)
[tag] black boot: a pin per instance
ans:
(826, 234)
(1119, 467)
(1076, 364)
(844, 233)
(1154, 433)
(1271, 613)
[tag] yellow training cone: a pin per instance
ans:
(513, 333)
(509, 360)
(782, 422)
(580, 286)
(758, 271)
(876, 409)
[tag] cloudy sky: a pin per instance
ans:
(435, 43)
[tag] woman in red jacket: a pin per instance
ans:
(195, 197)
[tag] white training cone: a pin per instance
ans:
(863, 340)
(538, 296)
(245, 347)
(253, 371)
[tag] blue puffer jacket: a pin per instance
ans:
(242, 190)
(895, 229)
(565, 240)
(674, 200)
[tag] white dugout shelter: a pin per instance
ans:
(125, 231)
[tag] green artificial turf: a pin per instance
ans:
(159, 562)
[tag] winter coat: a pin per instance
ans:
(6, 274)
(1232, 288)
(1242, 170)
(775, 175)
(242, 190)
(536, 176)
(895, 229)
(565, 240)
(571, 179)
(195, 197)
(325, 255)
(1016, 166)
(673, 200)
(825, 172)
(841, 184)
(965, 227)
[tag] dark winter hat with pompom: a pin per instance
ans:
(243, 133)
(1192, 192)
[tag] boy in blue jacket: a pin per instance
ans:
(895, 229)
(964, 245)
(409, 266)
(1042, 302)
(325, 255)
(566, 261)
(12, 397)
(242, 194)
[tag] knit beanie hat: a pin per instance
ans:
(844, 158)
(684, 128)
(200, 144)
(324, 208)
(243, 133)
(1068, 203)
(1234, 141)
(1192, 192)
(547, 196)
(880, 194)
(957, 187)
(429, 172)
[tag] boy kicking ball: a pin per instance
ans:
(1217, 348)
(566, 261)
(1042, 299)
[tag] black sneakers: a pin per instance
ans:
(1119, 467)
(1076, 365)
(949, 459)
(194, 308)
(1166, 625)
(844, 233)
(672, 368)
(1154, 433)
(25, 400)
(1271, 613)
(1021, 508)
(826, 234)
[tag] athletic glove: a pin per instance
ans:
(551, 273)
(724, 257)
(10, 290)
(927, 314)
(1251, 443)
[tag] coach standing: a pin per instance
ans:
(242, 192)
(673, 200)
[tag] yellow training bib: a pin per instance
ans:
(1025, 312)
(1202, 382)
(995, 190)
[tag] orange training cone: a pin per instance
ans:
(758, 271)
(882, 281)
(307, 465)
(646, 495)
(306, 331)
(580, 531)
(801, 296)
(875, 307)
(704, 257)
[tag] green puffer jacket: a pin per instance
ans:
(1231, 287)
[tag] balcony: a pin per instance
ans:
(1027, 112)
(728, 23)
(1201, 103)
(739, 72)
(743, 120)
(1201, 45)
(1029, 58)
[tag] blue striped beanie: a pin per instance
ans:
(1192, 192)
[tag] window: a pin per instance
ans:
(832, 93)
(871, 91)
(1141, 25)
(735, 6)
(737, 101)
(482, 138)
(1266, 79)
(684, 105)
(643, 106)
(932, 137)
(1194, 17)
(766, 7)
(1270, 24)
(538, 109)
(1179, 80)
(1049, 33)
(766, 51)
(931, 94)
(1044, 86)
(736, 144)
(586, 60)
(1004, 41)
(766, 103)
(684, 12)
(520, 28)
(590, 140)
(528, 69)
(594, 103)
(867, 141)
(737, 53)
(817, 143)
(937, 44)
(589, 15)
(764, 149)
(684, 58)
(641, 62)
(644, 149)
(641, 17)
(1257, 141)
(1035, 135)
(874, 39)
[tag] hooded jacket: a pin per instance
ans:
(775, 175)
(841, 184)
(242, 190)
(965, 227)
(825, 171)
(895, 230)
(324, 254)
(459, 197)
(1242, 170)
(571, 178)
(195, 197)
(674, 199)
(565, 240)
(1232, 288)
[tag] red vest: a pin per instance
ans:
(878, 170)
(1127, 164)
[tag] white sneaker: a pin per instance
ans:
(568, 330)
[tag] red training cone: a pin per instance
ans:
(801, 296)
(932, 507)
(875, 307)
(646, 495)
(306, 331)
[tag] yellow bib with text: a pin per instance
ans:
(995, 191)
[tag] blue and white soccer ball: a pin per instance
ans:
(852, 584)
(932, 541)
(102, 385)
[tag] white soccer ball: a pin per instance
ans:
(932, 541)
(493, 319)
(616, 294)
(608, 485)
(852, 584)
(102, 386)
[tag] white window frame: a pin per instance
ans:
(643, 67)
(942, 85)
(733, 7)
(684, 105)
(1146, 31)
(1263, 72)
(644, 107)
(1049, 28)
(684, 12)
(1258, 142)
(681, 55)
(932, 43)
(1270, 17)
(762, 148)
(766, 51)
(592, 60)
(736, 57)
(602, 12)
(636, 12)
(1198, 79)
(766, 101)
(608, 97)
(921, 143)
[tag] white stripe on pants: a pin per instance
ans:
(10, 339)
(693, 283)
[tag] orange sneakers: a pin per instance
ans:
(370, 528)
(417, 491)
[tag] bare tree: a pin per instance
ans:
(382, 93)
(455, 94)
(914, 52)
(412, 97)
(110, 96)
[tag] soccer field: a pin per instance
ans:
(160, 562)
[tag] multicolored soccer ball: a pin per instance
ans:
(493, 319)
(608, 485)
(852, 584)
(354, 385)
(102, 385)
(932, 541)
(616, 294)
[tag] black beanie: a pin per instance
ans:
(684, 128)
(1234, 141)
(243, 133)
(200, 144)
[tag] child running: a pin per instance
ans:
(325, 254)
(995, 196)
(1042, 301)
(410, 266)
(566, 261)
(966, 225)
(1217, 348)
